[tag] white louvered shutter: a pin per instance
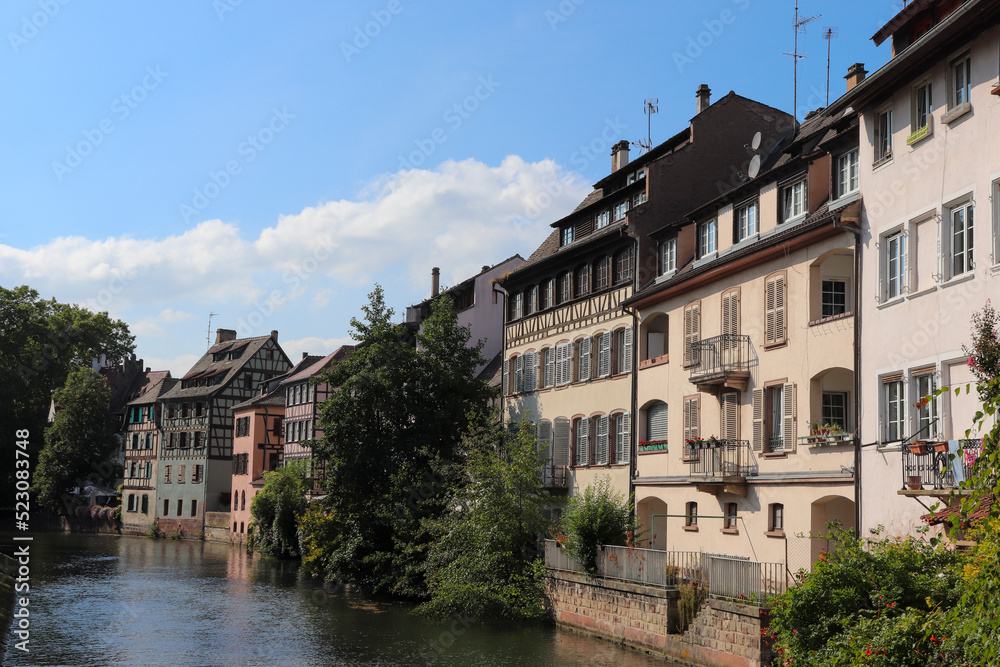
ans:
(628, 350)
(780, 322)
(543, 435)
(583, 442)
(519, 374)
(549, 373)
(730, 416)
(656, 422)
(530, 371)
(601, 455)
(789, 415)
(604, 354)
(566, 374)
(758, 420)
(623, 438)
(583, 373)
(505, 382)
(692, 333)
(560, 442)
(774, 307)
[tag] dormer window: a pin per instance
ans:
(746, 221)
(707, 239)
(793, 198)
(620, 210)
(603, 219)
(668, 256)
(567, 236)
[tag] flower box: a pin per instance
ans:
(919, 447)
(913, 482)
(940, 446)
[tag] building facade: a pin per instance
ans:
(141, 447)
(258, 439)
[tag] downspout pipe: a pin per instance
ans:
(857, 373)
(503, 342)
(633, 456)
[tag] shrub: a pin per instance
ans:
(154, 531)
(598, 516)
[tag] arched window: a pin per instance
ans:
(656, 330)
(582, 281)
(602, 275)
(243, 504)
(623, 265)
(565, 287)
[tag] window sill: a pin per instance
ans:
(832, 318)
(690, 459)
(774, 346)
(730, 531)
(882, 162)
(666, 275)
(775, 455)
(968, 275)
(956, 113)
(795, 220)
(845, 200)
(995, 270)
(655, 361)
(922, 292)
(691, 529)
(895, 300)
(705, 259)
(780, 534)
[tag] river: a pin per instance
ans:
(105, 600)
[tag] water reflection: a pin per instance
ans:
(99, 600)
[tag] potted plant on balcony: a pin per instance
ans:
(940, 446)
(919, 447)
(913, 482)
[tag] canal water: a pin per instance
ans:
(105, 600)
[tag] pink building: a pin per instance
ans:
(257, 445)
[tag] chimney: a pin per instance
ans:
(224, 335)
(148, 369)
(619, 155)
(704, 96)
(305, 354)
(855, 74)
(274, 335)
(435, 281)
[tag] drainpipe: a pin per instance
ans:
(632, 466)
(857, 374)
(503, 341)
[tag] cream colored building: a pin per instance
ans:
(930, 168)
(745, 340)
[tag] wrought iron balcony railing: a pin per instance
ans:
(718, 459)
(931, 465)
(720, 358)
(554, 477)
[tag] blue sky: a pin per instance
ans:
(270, 162)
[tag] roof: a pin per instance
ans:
(901, 19)
(206, 367)
(274, 398)
(143, 384)
(485, 270)
(152, 393)
(551, 248)
(492, 373)
(941, 516)
(320, 364)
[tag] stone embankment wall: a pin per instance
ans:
(724, 634)
(217, 527)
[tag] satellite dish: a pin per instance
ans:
(755, 144)
(754, 166)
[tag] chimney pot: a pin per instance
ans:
(224, 335)
(619, 155)
(856, 73)
(704, 96)
(435, 281)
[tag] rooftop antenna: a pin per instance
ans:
(800, 24)
(828, 34)
(208, 332)
(650, 106)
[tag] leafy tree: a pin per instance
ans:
(275, 511)
(984, 353)
(483, 562)
(391, 442)
(599, 515)
(80, 444)
(41, 342)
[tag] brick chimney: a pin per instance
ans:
(704, 96)
(224, 335)
(619, 155)
(435, 281)
(856, 73)
(274, 335)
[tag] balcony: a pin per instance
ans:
(721, 361)
(719, 466)
(185, 422)
(554, 478)
(928, 468)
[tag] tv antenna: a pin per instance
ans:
(650, 106)
(828, 34)
(800, 26)
(208, 332)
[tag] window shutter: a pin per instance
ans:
(565, 359)
(550, 367)
(601, 456)
(730, 416)
(505, 382)
(583, 442)
(624, 445)
(692, 333)
(656, 422)
(530, 371)
(770, 324)
(604, 355)
(584, 371)
(560, 442)
(628, 350)
(690, 419)
(788, 416)
(543, 435)
(779, 308)
(758, 420)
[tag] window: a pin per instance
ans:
(691, 515)
(145, 503)
(180, 507)
(603, 219)
(892, 396)
(922, 106)
(776, 520)
(623, 350)
(835, 408)
(639, 199)
(583, 359)
(530, 380)
(564, 364)
(603, 354)
(276, 428)
(135, 441)
(166, 507)
(926, 405)
(706, 238)
(847, 173)
(962, 243)
(181, 473)
(834, 297)
(167, 470)
(776, 422)
(692, 410)
(774, 310)
(620, 210)
(895, 260)
(243, 501)
(516, 305)
(732, 514)
(793, 200)
(623, 438)
(548, 367)
(567, 235)
(692, 333)
(546, 295)
(582, 281)
(774, 418)
(656, 422)
(961, 72)
(729, 408)
(601, 441)
(623, 265)
(746, 222)
(196, 475)
(883, 136)
(197, 440)
(131, 503)
(668, 256)
(581, 427)
(194, 507)
(565, 287)
(602, 279)
(532, 305)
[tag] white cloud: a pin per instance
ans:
(178, 366)
(458, 216)
(151, 327)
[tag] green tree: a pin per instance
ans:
(483, 562)
(276, 511)
(41, 342)
(80, 444)
(984, 353)
(599, 515)
(391, 442)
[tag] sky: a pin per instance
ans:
(271, 162)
